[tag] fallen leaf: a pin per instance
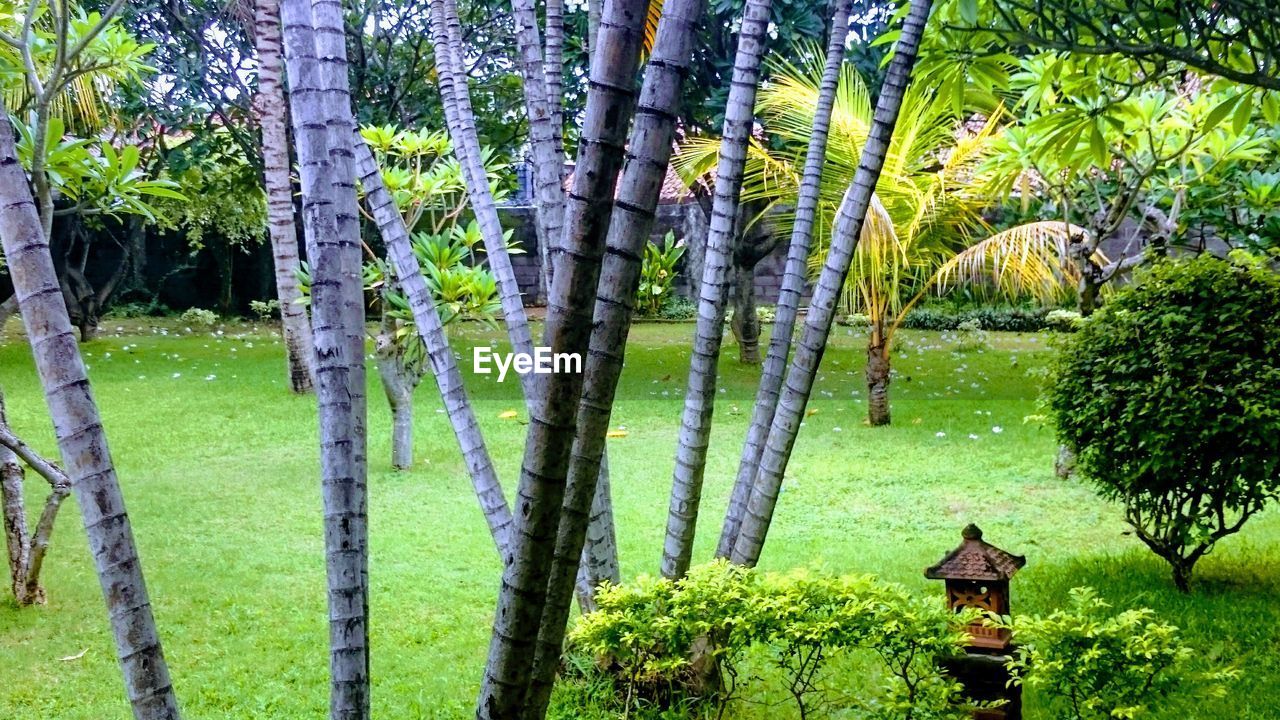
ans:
(812, 412)
(507, 415)
(77, 656)
(616, 434)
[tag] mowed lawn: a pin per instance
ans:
(219, 467)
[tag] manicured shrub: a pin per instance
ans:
(199, 316)
(669, 643)
(1093, 663)
(1170, 396)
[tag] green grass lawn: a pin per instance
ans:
(219, 465)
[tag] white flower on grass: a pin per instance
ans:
(940, 434)
(997, 429)
(177, 375)
(210, 377)
(972, 436)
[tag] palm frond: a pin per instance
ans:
(1027, 260)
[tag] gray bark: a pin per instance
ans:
(444, 367)
(271, 109)
(793, 281)
(649, 152)
(544, 131)
(505, 690)
(446, 38)
(699, 403)
(398, 383)
(817, 327)
(17, 540)
(318, 109)
(82, 441)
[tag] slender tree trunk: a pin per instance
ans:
(826, 296)
(271, 109)
(878, 376)
(27, 551)
(318, 109)
(600, 548)
(444, 366)
(505, 690)
(398, 382)
(17, 540)
(649, 153)
(793, 281)
(544, 132)
(82, 441)
(446, 38)
(699, 402)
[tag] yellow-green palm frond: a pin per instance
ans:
(1027, 260)
(652, 16)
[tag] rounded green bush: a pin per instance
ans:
(1171, 397)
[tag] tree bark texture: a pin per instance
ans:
(82, 441)
(649, 153)
(699, 403)
(398, 382)
(826, 296)
(545, 132)
(505, 691)
(272, 111)
(878, 377)
(793, 281)
(321, 111)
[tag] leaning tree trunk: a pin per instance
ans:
(699, 402)
(878, 376)
(444, 366)
(793, 282)
(633, 214)
(746, 321)
(272, 112)
(82, 441)
(826, 296)
(599, 563)
(446, 39)
(318, 109)
(552, 411)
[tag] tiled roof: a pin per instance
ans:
(976, 560)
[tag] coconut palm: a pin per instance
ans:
(925, 227)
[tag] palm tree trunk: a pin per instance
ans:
(444, 366)
(633, 214)
(699, 401)
(318, 111)
(746, 321)
(544, 132)
(82, 441)
(398, 383)
(817, 327)
(446, 38)
(793, 281)
(552, 412)
(878, 376)
(272, 112)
